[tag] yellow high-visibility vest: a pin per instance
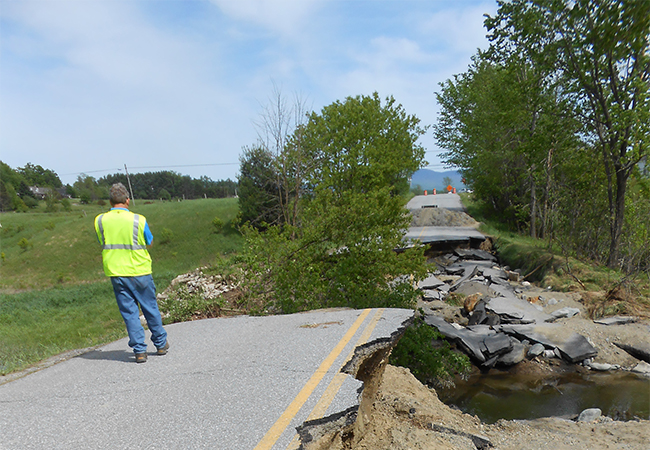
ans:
(124, 250)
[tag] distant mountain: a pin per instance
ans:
(428, 179)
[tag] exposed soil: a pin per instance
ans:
(440, 217)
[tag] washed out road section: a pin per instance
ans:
(223, 385)
(430, 234)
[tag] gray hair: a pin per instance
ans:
(118, 194)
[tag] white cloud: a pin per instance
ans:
(285, 17)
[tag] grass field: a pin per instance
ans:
(53, 293)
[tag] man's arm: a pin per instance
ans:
(148, 237)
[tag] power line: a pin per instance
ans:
(150, 167)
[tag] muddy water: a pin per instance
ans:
(494, 396)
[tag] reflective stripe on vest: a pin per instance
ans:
(133, 246)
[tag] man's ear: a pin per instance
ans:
(127, 202)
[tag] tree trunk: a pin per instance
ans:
(619, 215)
(533, 208)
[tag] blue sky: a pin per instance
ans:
(87, 86)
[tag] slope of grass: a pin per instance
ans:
(45, 250)
(54, 296)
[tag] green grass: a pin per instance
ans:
(54, 296)
(36, 325)
(63, 249)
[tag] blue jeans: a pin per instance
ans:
(131, 292)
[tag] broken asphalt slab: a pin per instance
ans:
(224, 384)
(572, 346)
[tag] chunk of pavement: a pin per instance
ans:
(468, 274)
(642, 368)
(503, 290)
(599, 367)
(516, 355)
(589, 415)
(478, 315)
(480, 442)
(461, 267)
(475, 254)
(495, 274)
(640, 350)
(471, 287)
(431, 282)
(512, 309)
(571, 346)
(617, 320)
(429, 295)
(536, 350)
(495, 345)
(468, 340)
(563, 312)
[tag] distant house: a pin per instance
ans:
(63, 192)
(39, 192)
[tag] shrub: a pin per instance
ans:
(180, 306)
(25, 244)
(166, 236)
(430, 358)
(66, 204)
(19, 205)
(31, 202)
(50, 225)
(217, 223)
(164, 194)
(101, 202)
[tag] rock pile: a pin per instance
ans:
(504, 326)
(199, 283)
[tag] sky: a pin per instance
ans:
(89, 86)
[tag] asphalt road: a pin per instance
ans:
(228, 383)
(447, 201)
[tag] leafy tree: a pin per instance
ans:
(505, 129)
(36, 175)
(598, 56)
(259, 202)
(351, 217)
(164, 194)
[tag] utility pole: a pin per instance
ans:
(130, 188)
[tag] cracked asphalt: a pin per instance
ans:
(224, 384)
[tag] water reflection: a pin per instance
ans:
(497, 396)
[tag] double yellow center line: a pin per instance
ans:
(274, 433)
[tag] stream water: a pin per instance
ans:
(494, 396)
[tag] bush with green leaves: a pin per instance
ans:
(217, 224)
(430, 358)
(166, 236)
(25, 244)
(66, 204)
(180, 306)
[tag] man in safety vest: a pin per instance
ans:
(124, 237)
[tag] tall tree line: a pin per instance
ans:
(551, 124)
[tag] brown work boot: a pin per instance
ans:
(140, 357)
(162, 350)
